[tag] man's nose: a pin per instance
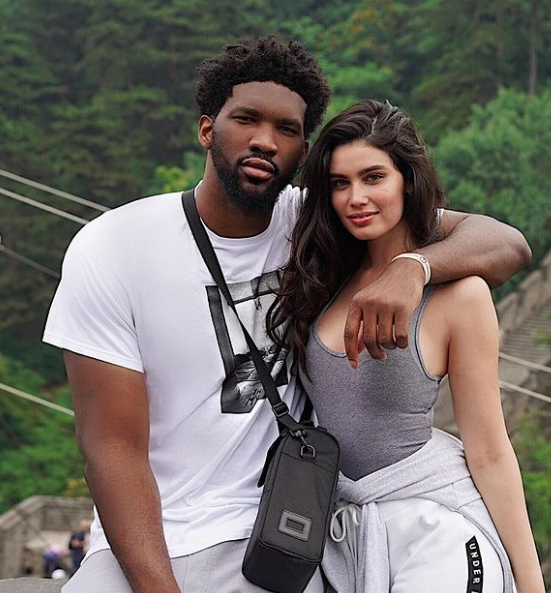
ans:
(263, 140)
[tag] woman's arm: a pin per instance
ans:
(474, 383)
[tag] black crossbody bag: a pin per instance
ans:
(299, 476)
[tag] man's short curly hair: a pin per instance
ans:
(261, 60)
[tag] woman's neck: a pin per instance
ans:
(379, 252)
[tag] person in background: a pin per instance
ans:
(53, 559)
(77, 544)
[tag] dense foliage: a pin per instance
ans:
(533, 446)
(37, 445)
(498, 164)
(96, 98)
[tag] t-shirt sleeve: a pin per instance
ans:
(289, 206)
(91, 313)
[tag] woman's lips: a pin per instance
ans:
(362, 219)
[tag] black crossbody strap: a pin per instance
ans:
(279, 407)
(308, 408)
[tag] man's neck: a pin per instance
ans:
(224, 218)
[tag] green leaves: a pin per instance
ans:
(496, 164)
(533, 447)
(171, 179)
(38, 453)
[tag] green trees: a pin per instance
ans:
(37, 445)
(499, 164)
(469, 50)
(533, 446)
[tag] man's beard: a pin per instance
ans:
(256, 201)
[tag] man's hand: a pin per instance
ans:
(383, 309)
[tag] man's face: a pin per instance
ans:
(258, 143)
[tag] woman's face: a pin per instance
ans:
(367, 191)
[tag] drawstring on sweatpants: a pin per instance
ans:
(349, 514)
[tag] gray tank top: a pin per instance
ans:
(382, 411)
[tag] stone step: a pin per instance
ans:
(30, 586)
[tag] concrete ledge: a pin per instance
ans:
(30, 586)
(35, 515)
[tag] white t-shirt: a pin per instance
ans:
(135, 293)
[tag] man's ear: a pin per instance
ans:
(204, 133)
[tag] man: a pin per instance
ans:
(169, 412)
(77, 543)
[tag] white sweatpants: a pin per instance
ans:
(435, 550)
(214, 570)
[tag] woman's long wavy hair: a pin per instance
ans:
(323, 252)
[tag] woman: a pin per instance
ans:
(409, 517)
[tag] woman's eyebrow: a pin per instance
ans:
(363, 171)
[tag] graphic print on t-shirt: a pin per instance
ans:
(242, 387)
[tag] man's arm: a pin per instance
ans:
(474, 245)
(112, 426)
(477, 245)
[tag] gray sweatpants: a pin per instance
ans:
(214, 570)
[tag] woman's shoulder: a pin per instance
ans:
(466, 300)
(465, 290)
